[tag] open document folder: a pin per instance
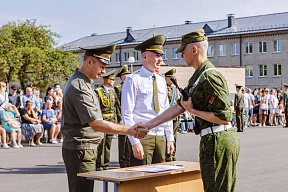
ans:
(156, 168)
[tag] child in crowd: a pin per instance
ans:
(280, 114)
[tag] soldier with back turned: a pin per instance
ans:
(238, 106)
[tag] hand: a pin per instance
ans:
(188, 105)
(138, 151)
(170, 147)
(139, 131)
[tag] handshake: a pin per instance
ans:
(138, 131)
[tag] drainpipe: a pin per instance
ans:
(120, 56)
(240, 47)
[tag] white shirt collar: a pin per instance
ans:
(106, 88)
(146, 72)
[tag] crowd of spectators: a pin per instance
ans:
(30, 116)
(262, 107)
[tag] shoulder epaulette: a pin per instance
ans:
(119, 85)
(82, 85)
(135, 73)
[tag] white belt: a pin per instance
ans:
(215, 129)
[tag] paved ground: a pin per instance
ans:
(262, 164)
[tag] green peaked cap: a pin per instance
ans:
(110, 74)
(101, 53)
(124, 70)
(193, 37)
(170, 73)
(154, 44)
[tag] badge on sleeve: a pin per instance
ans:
(211, 100)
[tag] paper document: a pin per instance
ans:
(156, 168)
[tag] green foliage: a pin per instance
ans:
(28, 54)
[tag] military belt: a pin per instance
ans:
(215, 129)
(108, 115)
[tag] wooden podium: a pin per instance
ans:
(186, 179)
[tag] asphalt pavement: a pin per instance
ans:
(262, 165)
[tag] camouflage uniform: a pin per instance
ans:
(218, 151)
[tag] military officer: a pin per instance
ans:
(107, 100)
(123, 141)
(82, 122)
(285, 96)
(173, 95)
(238, 106)
(144, 96)
(208, 101)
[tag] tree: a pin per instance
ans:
(28, 54)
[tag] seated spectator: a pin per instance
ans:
(58, 114)
(4, 100)
(49, 95)
(14, 98)
(36, 92)
(3, 138)
(31, 125)
(20, 93)
(30, 97)
(280, 114)
(8, 116)
(49, 122)
(57, 95)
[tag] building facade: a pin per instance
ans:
(257, 43)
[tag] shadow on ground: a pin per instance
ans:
(38, 169)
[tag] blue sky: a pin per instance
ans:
(73, 19)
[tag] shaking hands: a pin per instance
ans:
(139, 130)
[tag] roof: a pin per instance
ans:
(243, 25)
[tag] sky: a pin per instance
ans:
(74, 19)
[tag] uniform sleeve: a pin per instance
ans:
(216, 96)
(168, 129)
(128, 100)
(85, 107)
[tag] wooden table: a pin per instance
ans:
(186, 179)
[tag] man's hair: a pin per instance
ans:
(202, 46)
(28, 88)
(56, 84)
(35, 88)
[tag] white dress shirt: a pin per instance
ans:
(137, 102)
(106, 89)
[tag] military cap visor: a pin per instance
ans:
(285, 85)
(109, 75)
(103, 54)
(170, 73)
(154, 44)
(193, 37)
(124, 70)
(238, 86)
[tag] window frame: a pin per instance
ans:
(125, 55)
(278, 45)
(250, 70)
(237, 49)
(223, 50)
(136, 56)
(175, 54)
(165, 55)
(117, 56)
(277, 72)
(262, 42)
(211, 50)
(247, 45)
(263, 70)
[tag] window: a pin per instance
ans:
(135, 54)
(262, 70)
(210, 51)
(165, 56)
(222, 50)
(175, 55)
(277, 70)
(110, 59)
(277, 46)
(235, 49)
(249, 71)
(126, 57)
(117, 57)
(262, 47)
(248, 48)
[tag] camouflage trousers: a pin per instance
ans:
(218, 157)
